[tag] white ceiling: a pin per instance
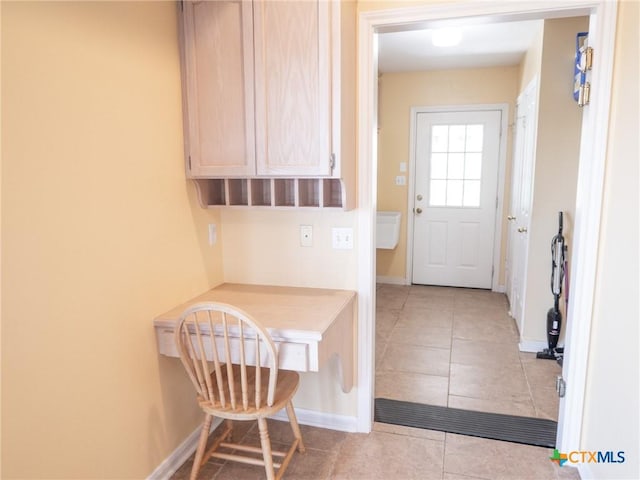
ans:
(487, 45)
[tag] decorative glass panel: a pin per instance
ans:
(473, 166)
(454, 193)
(439, 138)
(474, 138)
(456, 165)
(439, 165)
(457, 138)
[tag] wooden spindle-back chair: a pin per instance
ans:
(233, 364)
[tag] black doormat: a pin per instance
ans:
(508, 428)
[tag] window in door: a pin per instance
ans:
(456, 165)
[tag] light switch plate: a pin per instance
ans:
(213, 235)
(342, 238)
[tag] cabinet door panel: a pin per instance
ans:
(292, 79)
(219, 78)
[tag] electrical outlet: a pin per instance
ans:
(342, 238)
(306, 236)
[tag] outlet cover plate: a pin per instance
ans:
(306, 236)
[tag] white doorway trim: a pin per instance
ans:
(589, 191)
(502, 159)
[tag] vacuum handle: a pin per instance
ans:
(559, 223)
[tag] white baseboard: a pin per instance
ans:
(403, 281)
(312, 418)
(173, 462)
(332, 421)
(391, 280)
(533, 346)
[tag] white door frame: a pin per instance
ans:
(589, 189)
(503, 108)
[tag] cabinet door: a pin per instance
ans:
(218, 61)
(292, 81)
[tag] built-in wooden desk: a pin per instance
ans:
(308, 325)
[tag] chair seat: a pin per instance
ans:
(202, 351)
(285, 389)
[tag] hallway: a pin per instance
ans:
(458, 348)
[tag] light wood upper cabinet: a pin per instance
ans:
(270, 92)
(218, 75)
(292, 84)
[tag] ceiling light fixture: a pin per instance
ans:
(446, 37)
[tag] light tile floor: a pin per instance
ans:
(441, 346)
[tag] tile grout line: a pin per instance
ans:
(526, 377)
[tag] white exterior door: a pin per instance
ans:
(456, 180)
(521, 198)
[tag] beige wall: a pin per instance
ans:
(263, 246)
(100, 233)
(556, 167)
(1, 269)
(97, 216)
(611, 417)
(532, 61)
(399, 92)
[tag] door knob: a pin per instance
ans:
(418, 210)
(510, 217)
(522, 229)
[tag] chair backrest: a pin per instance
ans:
(211, 337)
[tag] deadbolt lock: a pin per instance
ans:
(419, 197)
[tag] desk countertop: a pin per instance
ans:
(287, 312)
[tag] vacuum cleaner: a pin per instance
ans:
(554, 316)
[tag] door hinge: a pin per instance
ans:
(189, 162)
(585, 63)
(332, 161)
(561, 386)
(584, 94)
(181, 5)
(586, 59)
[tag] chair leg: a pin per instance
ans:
(293, 420)
(230, 427)
(202, 444)
(265, 442)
